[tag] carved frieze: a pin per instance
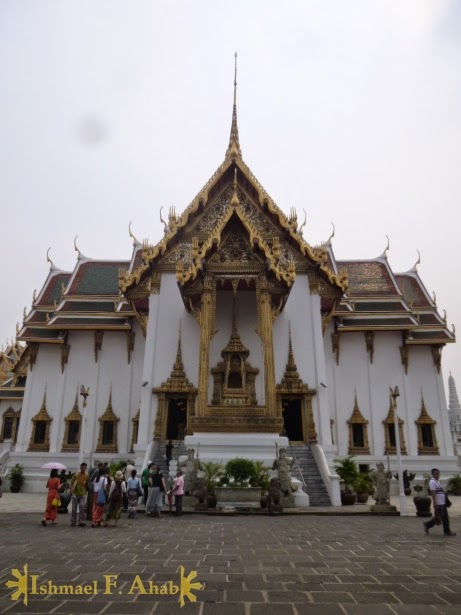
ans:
(235, 252)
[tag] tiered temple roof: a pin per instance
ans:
(361, 295)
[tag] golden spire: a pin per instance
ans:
(233, 149)
(178, 366)
(291, 365)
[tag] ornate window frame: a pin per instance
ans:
(10, 413)
(425, 419)
(74, 415)
(109, 416)
(388, 421)
(41, 416)
(357, 418)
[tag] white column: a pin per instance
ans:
(148, 400)
(320, 401)
(445, 432)
(58, 432)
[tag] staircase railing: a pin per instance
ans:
(293, 454)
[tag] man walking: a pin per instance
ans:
(79, 490)
(439, 501)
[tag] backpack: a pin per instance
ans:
(117, 493)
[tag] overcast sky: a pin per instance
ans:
(111, 109)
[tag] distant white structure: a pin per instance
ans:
(454, 413)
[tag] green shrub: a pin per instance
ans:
(241, 470)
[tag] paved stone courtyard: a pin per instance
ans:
(249, 565)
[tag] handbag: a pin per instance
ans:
(102, 495)
(56, 502)
(448, 502)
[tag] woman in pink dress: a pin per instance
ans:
(53, 486)
(178, 492)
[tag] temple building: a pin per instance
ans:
(234, 334)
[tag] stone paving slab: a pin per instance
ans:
(293, 565)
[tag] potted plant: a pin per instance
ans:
(348, 472)
(422, 502)
(16, 477)
(454, 485)
(239, 493)
(213, 473)
(362, 487)
(407, 478)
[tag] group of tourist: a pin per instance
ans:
(99, 497)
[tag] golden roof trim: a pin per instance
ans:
(150, 253)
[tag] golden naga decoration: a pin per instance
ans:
(34, 296)
(48, 260)
(165, 225)
(328, 242)
(300, 230)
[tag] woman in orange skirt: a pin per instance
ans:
(53, 486)
(100, 483)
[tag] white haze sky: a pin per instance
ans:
(111, 109)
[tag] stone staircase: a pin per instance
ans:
(159, 457)
(315, 487)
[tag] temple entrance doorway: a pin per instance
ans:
(292, 419)
(176, 423)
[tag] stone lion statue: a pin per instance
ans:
(275, 495)
(201, 490)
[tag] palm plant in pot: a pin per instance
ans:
(16, 478)
(348, 472)
(363, 486)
